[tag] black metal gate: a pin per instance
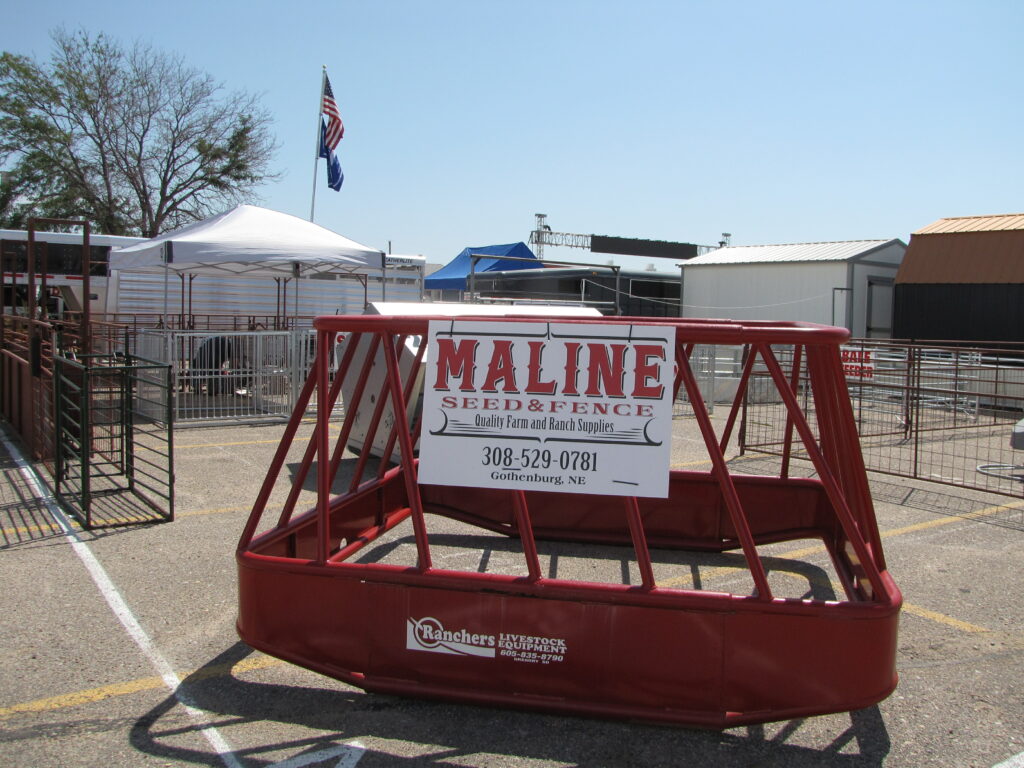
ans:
(114, 445)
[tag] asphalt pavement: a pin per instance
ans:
(118, 648)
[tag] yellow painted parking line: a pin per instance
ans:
(686, 582)
(796, 553)
(941, 618)
(20, 529)
(793, 554)
(330, 428)
(707, 462)
(215, 511)
(702, 463)
(56, 530)
(911, 608)
(23, 529)
(227, 445)
(251, 664)
(83, 697)
(935, 523)
(817, 549)
(78, 698)
(92, 695)
(30, 529)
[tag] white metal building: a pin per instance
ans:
(848, 284)
(127, 292)
(138, 292)
(64, 263)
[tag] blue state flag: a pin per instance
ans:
(335, 177)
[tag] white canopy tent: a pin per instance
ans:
(250, 241)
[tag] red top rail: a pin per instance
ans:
(697, 331)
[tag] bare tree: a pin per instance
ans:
(133, 140)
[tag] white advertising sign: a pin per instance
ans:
(548, 406)
(858, 363)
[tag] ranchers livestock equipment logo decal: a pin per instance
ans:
(428, 634)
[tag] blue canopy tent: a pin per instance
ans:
(455, 274)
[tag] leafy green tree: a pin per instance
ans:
(133, 140)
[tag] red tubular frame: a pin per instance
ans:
(678, 655)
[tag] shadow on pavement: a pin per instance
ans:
(455, 734)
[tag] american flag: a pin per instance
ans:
(335, 128)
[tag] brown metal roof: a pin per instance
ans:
(991, 256)
(1006, 221)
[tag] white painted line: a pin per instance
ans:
(350, 753)
(1017, 761)
(119, 606)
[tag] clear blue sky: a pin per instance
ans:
(778, 122)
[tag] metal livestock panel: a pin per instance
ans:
(945, 415)
(229, 375)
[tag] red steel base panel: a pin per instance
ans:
(722, 663)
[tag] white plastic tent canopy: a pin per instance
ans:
(252, 241)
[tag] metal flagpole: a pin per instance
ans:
(316, 155)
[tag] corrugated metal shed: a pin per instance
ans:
(962, 279)
(765, 254)
(846, 283)
(1000, 223)
(986, 257)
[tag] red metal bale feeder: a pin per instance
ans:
(313, 591)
